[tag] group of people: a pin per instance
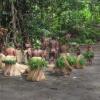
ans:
(49, 49)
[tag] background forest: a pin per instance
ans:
(32, 19)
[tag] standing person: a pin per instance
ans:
(54, 48)
(1, 46)
(89, 54)
(45, 43)
(27, 51)
(1, 55)
(19, 54)
(78, 51)
(10, 51)
(13, 69)
(63, 50)
(45, 47)
(37, 52)
(27, 44)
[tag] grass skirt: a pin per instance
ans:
(14, 70)
(36, 75)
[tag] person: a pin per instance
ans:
(78, 51)
(27, 44)
(45, 47)
(27, 51)
(90, 54)
(2, 56)
(64, 50)
(1, 46)
(37, 52)
(54, 48)
(10, 51)
(15, 69)
(45, 43)
(19, 55)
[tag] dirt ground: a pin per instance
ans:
(82, 84)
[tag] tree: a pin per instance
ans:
(35, 17)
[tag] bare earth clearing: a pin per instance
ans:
(83, 84)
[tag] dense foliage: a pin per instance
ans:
(33, 18)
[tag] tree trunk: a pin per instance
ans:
(14, 28)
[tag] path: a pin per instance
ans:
(81, 85)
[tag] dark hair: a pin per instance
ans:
(53, 37)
